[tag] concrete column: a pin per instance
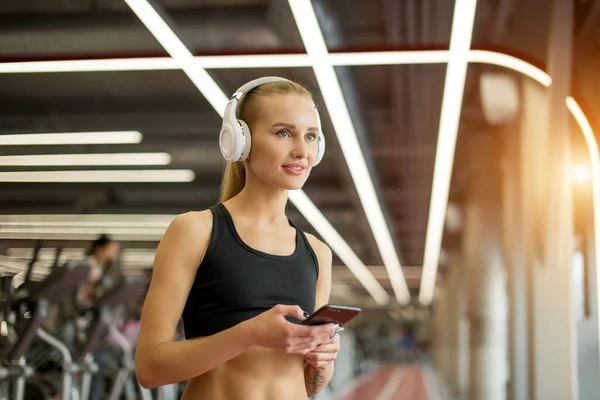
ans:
(547, 218)
(519, 272)
(450, 327)
(587, 325)
(552, 330)
(585, 290)
(440, 331)
(457, 357)
(483, 256)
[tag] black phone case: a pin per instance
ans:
(331, 314)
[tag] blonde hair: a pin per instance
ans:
(248, 110)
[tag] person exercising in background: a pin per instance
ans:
(241, 274)
(104, 275)
(103, 252)
(102, 255)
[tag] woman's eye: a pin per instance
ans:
(311, 136)
(283, 133)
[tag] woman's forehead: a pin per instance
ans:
(293, 109)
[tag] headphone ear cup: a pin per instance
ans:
(246, 138)
(320, 149)
(234, 141)
(228, 142)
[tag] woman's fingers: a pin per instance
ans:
(320, 332)
(318, 359)
(303, 346)
(305, 339)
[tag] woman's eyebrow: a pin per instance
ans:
(292, 126)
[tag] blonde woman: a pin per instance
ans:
(241, 274)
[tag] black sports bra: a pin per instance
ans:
(235, 282)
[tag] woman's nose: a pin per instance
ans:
(301, 149)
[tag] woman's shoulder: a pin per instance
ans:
(194, 216)
(192, 222)
(188, 233)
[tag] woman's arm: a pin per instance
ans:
(159, 359)
(316, 378)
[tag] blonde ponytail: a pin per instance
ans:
(233, 182)
(248, 109)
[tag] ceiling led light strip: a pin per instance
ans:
(70, 138)
(123, 230)
(175, 175)
(78, 236)
(211, 91)
(44, 254)
(117, 223)
(278, 61)
(77, 224)
(115, 64)
(154, 64)
(87, 159)
(177, 50)
(49, 253)
(456, 73)
(332, 93)
(390, 57)
(340, 247)
(510, 62)
(95, 220)
(14, 265)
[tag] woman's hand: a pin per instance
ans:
(325, 353)
(271, 330)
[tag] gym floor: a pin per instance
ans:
(391, 382)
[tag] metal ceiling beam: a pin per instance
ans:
(280, 19)
(400, 114)
(197, 125)
(215, 29)
(51, 104)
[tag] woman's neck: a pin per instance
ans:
(266, 204)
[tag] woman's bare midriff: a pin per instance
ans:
(258, 374)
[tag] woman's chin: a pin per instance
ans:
(293, 185)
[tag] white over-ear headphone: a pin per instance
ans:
(235, 139)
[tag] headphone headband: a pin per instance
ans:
(245, 88)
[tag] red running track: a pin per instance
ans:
(390, 382)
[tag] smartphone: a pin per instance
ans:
(331, 314)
